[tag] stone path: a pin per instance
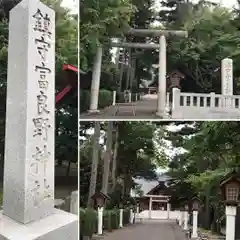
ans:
(136, 110)
(155, 230)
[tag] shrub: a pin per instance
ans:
(111, 219)
(120, 97)
(88, 222)
(126, 216)
(104, 99)
(84, 100)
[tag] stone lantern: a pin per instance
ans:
(196, 204)
(230, 187)
(175, 78)
(100, 199)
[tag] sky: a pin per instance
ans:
(226, 3)
(71, 4)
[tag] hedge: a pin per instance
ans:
(88, 221)
(104, 99)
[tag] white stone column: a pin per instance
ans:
(212, 100)
(195, 225)
(121, 218)
(114, 98)
(176, 103)
(28, 197)
(162, 76)
(129, 97)
(230, 222)
(96, 75)
(100, 220)
(137, 209)
(150, 208)
(168, 210)
(185, 227)
(74, 203)
(136, 97)
(181, 218)
(131, 217)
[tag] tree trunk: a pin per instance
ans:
(114, 161)
(107, 158)
(68, 168)
(95, 158)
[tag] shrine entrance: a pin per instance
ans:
(159, 207)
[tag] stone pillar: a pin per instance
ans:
(168, 210)
(131, 217)
(136, 97)
(185, 227)
(227, 76)
(114, 98)
(74, 203)
(121, 218)
(100, 220)
(96, 75)
(230, 222)
(195, 225)
(28, 197)
(227, 79)
(162, 77)
(212, 100)
(150, 208)
(138, 209)
(181, 218)
(129, 97)
(175, 102)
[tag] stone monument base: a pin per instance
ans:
(60, 225)
(93, 111)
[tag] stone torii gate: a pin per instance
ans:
(162, 34)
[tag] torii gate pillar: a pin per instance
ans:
(162, 72)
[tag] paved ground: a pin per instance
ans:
(136, 110)
(154, 230)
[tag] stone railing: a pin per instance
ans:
(204, 106)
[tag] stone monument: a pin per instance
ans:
(28, 194)
(227, 76)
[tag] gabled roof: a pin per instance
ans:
(148, 186)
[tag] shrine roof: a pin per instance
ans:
(147, 186)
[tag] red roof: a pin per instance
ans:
(69, 67)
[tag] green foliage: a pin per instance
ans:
(105, 99)
(100, 19)
(88, 220)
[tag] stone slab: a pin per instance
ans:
(60, 225)
(30, 113)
